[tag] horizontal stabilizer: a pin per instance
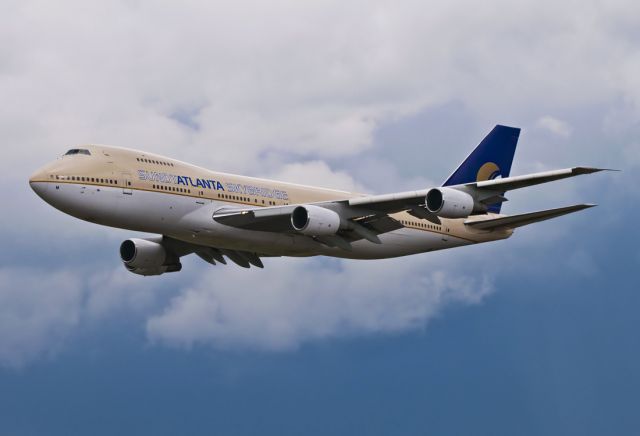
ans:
(513, 221)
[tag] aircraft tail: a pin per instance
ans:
(492, 158)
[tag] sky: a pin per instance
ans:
(537, 334)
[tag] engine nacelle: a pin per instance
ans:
(315, 220)
(449, 203)
(147, 258)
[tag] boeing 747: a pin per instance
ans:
(221, 217)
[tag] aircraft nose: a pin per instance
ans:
(39, 188)
(38, 182)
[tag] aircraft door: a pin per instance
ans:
(127, 182)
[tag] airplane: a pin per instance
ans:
(220, 216)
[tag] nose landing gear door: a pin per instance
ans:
(127, 181)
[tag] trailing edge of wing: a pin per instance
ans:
(270, 219)
(513, 221)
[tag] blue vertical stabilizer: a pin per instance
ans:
(492, 158)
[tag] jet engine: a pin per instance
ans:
(148, 258)
(315, 220)
(449, 203)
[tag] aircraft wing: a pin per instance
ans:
(484, 191)
(490, 192)
(368, 215)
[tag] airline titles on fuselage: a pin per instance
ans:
(213, 185)
(257, 191)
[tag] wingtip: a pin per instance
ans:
(590, 170)
(583, 206)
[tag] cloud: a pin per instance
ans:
(108, 291)
(555, 126)
(43, 306)
(296, 301)
(296, 90)
(317, 173)
(311, 81)
(37, 312)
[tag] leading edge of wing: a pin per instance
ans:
(516, 182)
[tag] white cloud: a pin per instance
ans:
(37, 312)
(40, 309)
(317, 173)
(296, 301)
(109, 291)
(555, 126)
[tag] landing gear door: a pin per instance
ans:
(126, 184)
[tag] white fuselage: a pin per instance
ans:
(139, 191)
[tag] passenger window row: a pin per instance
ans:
(86, 179)
(225, 196)
(153, 161)
(172, 189)
(423, 225)
(245, 199)
(236, 198)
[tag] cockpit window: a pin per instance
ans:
(78, 151)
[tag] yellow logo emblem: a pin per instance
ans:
(488, 171)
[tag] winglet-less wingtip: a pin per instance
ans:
(590, 170)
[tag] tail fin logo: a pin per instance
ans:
(488, 171)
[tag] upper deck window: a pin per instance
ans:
(78, 151)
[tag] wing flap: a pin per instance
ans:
(381, 224)
(513, 221)
(268, 219)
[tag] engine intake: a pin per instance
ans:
(315, 220)
(147, 258)
(449, 203)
